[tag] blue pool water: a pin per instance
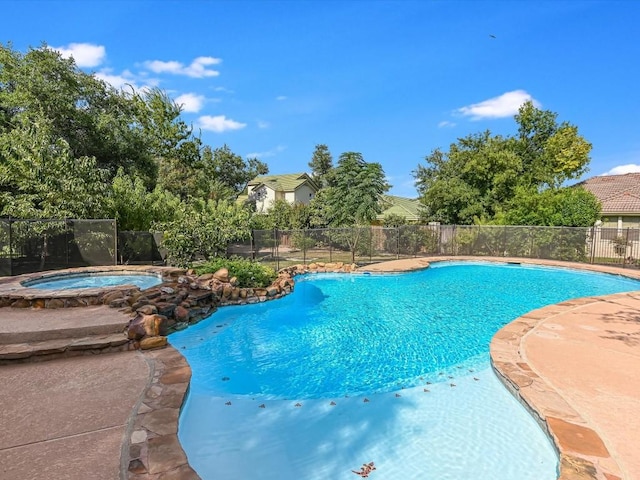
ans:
(65, 282)
(404, 361)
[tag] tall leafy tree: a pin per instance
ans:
(321, 164)
(91, 117)
(171, 143)
(137, 208)
(39, 178)
(479, 177)
(202, 229)
(229, 170)
(567, 207)
(352, 199)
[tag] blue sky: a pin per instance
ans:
(390, 79)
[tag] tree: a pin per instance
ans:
(39, 178)
(91, 117)
(351, 200)
(481, 176)
(567, 207)
(226, 169)
(321, 164)
(171, 143)
(353, 197)
(202, 229)
(135, 208)
(551, 153)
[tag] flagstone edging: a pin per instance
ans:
(582, 452)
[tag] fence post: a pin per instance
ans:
(370, 244)
(275, 239)
(252, 245)
(115, 241)
(593, 243)
(304, 246)
(66, 242)
(626, 243)
(397, 242)
(10, 246)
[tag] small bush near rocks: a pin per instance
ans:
(249, 274)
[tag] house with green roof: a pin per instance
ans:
(409, 208)
(291, 187)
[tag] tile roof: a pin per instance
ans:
(617, 193)
(287, 182)
(408, 208)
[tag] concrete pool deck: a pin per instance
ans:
(575, 365)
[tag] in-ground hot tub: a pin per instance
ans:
(86, 280)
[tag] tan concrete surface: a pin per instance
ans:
(19, 325)
(68, 418)
(591, 356)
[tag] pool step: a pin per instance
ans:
(37, 351)
(61, 333)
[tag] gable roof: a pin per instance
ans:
(287, 182)
(408, 208)
(617, 193)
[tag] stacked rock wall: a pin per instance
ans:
(187, 298)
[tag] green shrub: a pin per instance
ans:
(249, 274)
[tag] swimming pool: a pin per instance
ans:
(93, 280)
(387, 368)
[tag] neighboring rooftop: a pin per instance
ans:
(409, 208)
(618, 194)
(287, 182)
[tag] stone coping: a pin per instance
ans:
(18, 287)
(151, 450)
(582, 452)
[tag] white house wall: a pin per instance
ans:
(303, 194)
(289, 197)
(264, 198)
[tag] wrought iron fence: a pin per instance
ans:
(374, 244)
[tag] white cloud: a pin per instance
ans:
(622, 169)
(84, 54)
(222, 89)
(505, 105)
(197, 68)
(219, 123)
(270, 153)
(190, 102)
(124, 80)
(281, 97)
(446, 123)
